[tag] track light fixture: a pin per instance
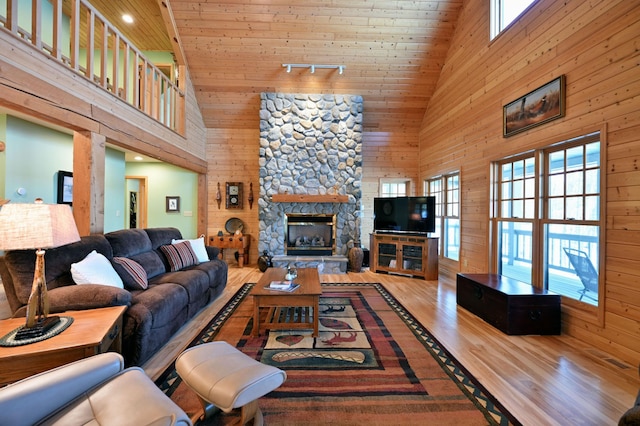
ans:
(313, 67)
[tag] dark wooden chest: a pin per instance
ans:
(511, 306)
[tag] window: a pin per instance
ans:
(393, 189)
(504, 12)
(446, 189)
(547, 219)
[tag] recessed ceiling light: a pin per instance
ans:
(127, 18)
(138, 158)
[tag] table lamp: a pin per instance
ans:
(36, 227)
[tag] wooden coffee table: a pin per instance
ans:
(300, 306)
(93, 331)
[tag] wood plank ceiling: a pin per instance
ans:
(393, 51)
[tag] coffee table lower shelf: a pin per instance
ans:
(287, 318)
(273, 310)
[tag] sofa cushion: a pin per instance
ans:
(198, 248)
(135, 244)
(154, 316)
(95, 269)
(195, 282)
(179, 255)
(79, 297)
(132, 273)
(162, 236)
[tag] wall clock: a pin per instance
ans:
(234, 195)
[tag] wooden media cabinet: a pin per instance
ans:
(511, 306)
(405, 254)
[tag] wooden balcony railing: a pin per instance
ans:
(87, 43)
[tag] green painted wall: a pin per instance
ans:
(166, 180)
(3, 155)
(114, 191)
(34, 155)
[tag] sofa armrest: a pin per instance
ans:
(85, 296)
(36, 397)
(213, 252)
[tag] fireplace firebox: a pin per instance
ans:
(309, 234)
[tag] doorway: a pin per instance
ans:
(136, 190)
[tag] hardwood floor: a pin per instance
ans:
(542, 380)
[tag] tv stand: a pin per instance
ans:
(400, 253)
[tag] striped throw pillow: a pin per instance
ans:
(179, 255)
(132, 273)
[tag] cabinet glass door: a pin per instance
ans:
(411, 258)
(387, 255)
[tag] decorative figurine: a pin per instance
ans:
(219, 196)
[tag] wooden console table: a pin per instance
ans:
(511, 306)
(93, 331)
(240, 242)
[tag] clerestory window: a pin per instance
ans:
(504, 12)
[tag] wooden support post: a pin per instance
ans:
(88, 182)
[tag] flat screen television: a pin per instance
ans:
(413, 215)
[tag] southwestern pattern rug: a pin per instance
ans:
(372, 363)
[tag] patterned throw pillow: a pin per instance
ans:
(179, 255)
(132, 273)
(198, 248)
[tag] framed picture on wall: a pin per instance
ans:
(65, 187)
(173, 204)
(540, 106)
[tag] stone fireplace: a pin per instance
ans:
(310, 164)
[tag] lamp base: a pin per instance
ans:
(39, 329)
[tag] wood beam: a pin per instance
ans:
(88, 182)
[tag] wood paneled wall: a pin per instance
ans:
(596, 46)
(233, 157)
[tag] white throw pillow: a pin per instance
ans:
(95, 269)
(197, 245)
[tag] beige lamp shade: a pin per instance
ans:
(36, 226)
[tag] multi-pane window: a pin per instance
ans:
(547, 219)
(446, 189)
(393, 189)
(572, 220)
(504, 12)
(516, 211)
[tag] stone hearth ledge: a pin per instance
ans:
(325, 264)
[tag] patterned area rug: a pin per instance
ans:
(372, 364)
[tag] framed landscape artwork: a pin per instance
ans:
(540, 106)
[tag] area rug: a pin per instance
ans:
(371, 364)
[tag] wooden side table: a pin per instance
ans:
(240, 242)
(93, 331)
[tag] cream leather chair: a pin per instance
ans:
(96, 390)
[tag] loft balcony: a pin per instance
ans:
(76, 35)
